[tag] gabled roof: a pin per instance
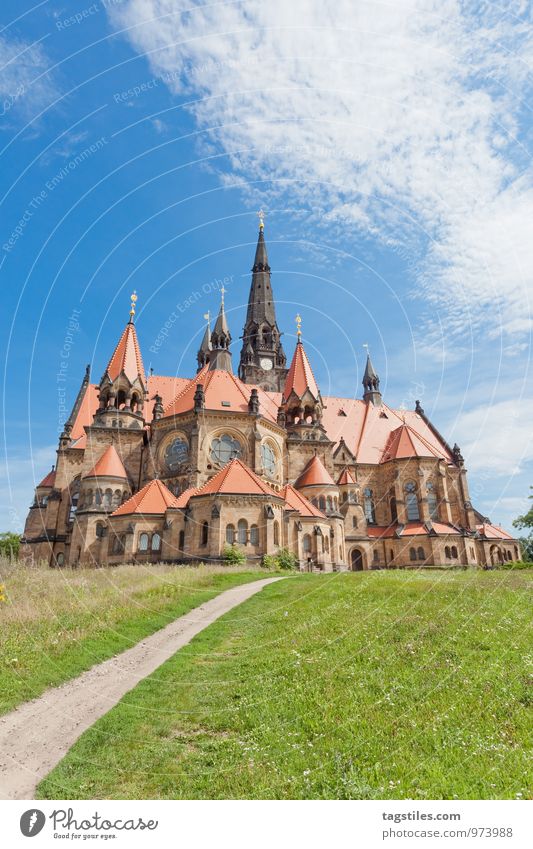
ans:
(294, 500)
(108, 466)
(300, 377)
(152, 499)
(49, 479)
(411, 529)
(127, 357)
(405, 442)
(314, 474)
(490, 531)
(345, 478)
(223, 391)
(236, 478)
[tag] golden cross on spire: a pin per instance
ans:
(366, 346)
(298, 320)
(207, 316)
(222, 293)
(133, 298)
(261, 216)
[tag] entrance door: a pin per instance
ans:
(357, 560)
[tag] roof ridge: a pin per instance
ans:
(191, 381)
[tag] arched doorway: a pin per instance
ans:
(495, 556)
(356, 559)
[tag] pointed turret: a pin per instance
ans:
(371, 384)
(262, 359)
(301, 400)
(220, 356)
(123, 387)
(204, 351)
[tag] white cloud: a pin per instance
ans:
(394, 119)
(25, 85)
(496, 439)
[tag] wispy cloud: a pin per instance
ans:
(401, 120)
(25, 84)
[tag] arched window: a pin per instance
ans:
(447, 552)
(230, 534)
(74, 499)
(329, 504)
(276, 533)
(116, 498)
(117, 545)
(108, 497)
(254, 535)
(322, 502)
(355, 522)
(205, 533)
(421, 553)
(156, 542)
(433, 508)
(143, 542)
(121, 399)
(412, 554)
(242, 531)
(98, 497)
(393, 510)
(307, 543)
(370, 510)
(376, 556)
(327, 544)
(454, 552)
(411, 502)
(60, 559)
(181, 541)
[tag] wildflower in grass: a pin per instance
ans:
(2, 593)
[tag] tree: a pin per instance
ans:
(526, 521)
(10, 545)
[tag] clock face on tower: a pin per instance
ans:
(265, 363)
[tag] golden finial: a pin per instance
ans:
(222, 293)
(261, 216)
(133, 298)
(207, 316)
(299, 326)
(366, 347)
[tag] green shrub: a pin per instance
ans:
(515, 564)
(10, 545)
(283, 560)
(233, 555)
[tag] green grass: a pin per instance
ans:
(366, 685)
(54, 624)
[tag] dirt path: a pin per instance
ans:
(35, 736)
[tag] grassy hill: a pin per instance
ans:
(56, 623)
(365, 685)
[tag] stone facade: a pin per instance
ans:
(173, 469)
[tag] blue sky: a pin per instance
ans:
(389, 145)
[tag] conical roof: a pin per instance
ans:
(405, 442)
(314, 474)
(127, 357)
(370, 372)
(294, 500)
(153, 499)
(300, 377)
(108, 466)
(236, 478)
(345, 478)
(49, 479)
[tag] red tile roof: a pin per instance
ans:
(166, 387)
(345, 478)
(108, 466)
(49, 479)
(152, 499)
(411, 529)
(127, 357)
(300, 377)
(405, 442)
(493, 531)
(223, 391)
(236, 478)
(314, 474)
(294, 500)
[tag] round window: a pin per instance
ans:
(225, 448)
(268, 459)
(176, 453)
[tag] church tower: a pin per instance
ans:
(263, 360)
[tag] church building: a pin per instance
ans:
(175, 469)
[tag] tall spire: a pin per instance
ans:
(220, 356)
(301, 403)
(262, 359)
(204, 351)
(371, 382)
